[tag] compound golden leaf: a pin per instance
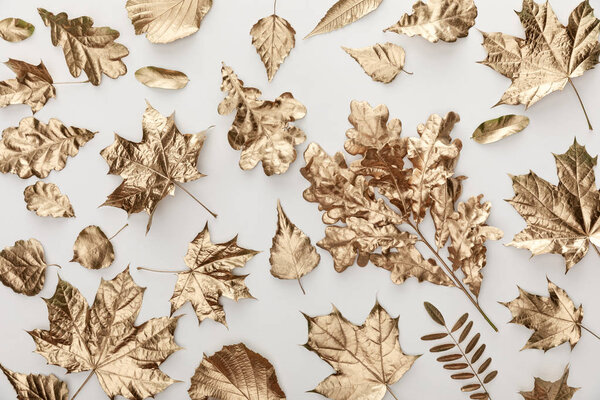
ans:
(273, 38)
(93, 249)
(342, 13)
(546, 390)
(104, 339)
(23, 267)
(261, 128)
(15, 29)
(86, 48)
(33, 85)
(233, 373)
(435, 20)
(46, 200)
(367, 359)
(165, 21)
(35, 148)
(554, 319)
(496, 129)
(156, 77)
(36, 387)
(382, 62)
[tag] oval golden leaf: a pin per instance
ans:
(23, 267)
(273, 38)
(498, 128)
(15, 29)
(342, 13)
(156, 77)
(46, 200)
(92, 249)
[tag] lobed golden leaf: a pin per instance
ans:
(342, 13)
(93, 249)
(46, 200)
(273, 38)
(546, 390)
(444, 198)
(33, 85)
(382, 62)
(23, 267)
(15, 29)
(496, 129)
(36, 387)
(156, 77)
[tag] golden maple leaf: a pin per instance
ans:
(15, 29)
(546, 390)
(550, 55)
(152, 168)
(23, 267)
(562, 219)
(261, 128)
(233, 373)
(367, 359)
(46, 200)
(33, 85)
(342, 13)
(104, 339)
(36, 387)
(382, 62)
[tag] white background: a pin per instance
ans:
(323, 77)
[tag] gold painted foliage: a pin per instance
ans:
(235, 372)
(367, 359)
(156, 77)
(342, 13)
(86, 48)
(32, 85)
(46, 200)
(499, 128)
(546, 390)
(93, 249)
(261, 128)
(15, 29)
(23, 267)
(104, 339)
(382, 62)
(36, 387)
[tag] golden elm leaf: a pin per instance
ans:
(233, 373)
(261, 128)
(156, 77)
(382, 62)
(86, 48)
(15, 29)
(33, 85)
(104, 339)
(93, 249)
(435, 20)
(495, 129)
(164, 21)
(35, 148)
(546, 390)
(367, 359)
(273, 38)
(550, 55)
(46, 200)
(342, 13)
(292, 254)
(23, 267)
(36, 387)
(443, 207)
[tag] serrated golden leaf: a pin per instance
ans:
(164, 21)
(23, 267)
(36, 387)
(234, 373)
(382, 62)
(35, 148)
(367, 359)
(273, 38)
(496, 129)
(546, 390)
(33, 85)
(15, 29)
(261, 128)
(104, 339)
(93, 249)
(86, 48)
(445, 20)
(156, 77)
(46, 200)
(342, 13)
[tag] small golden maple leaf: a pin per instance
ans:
(546, 390)
(32, 85)
(36, 387)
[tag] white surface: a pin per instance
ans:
(318, 73)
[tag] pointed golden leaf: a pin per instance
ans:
(273, 38)
(164, 21)
(86, 48)
(367, 359)
(93, 249)
(23, 267)
(496, 129)
(382, 62)
(554, 319)
(156, 77)
(342, 13)
(36, 387)
(546, 390)
(261, 128)
(234, 373)
(15, 29)
(35, 148)
(104, 339)
(442, 208)
(435, 20)
(47, 201)
(33, 85)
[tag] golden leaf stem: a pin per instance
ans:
(195, 198)
(119, 231)
(161, 271)
(596, 248)
(69, 83)
(582, 106)
(83, 384)
(301, 287)
(390, 392)
(54, 265)
(584, 328)
(274, 7)
(406, 72)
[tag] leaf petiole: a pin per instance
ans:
(162, 271)
(119, 231)
(83, 384)
(582, 106)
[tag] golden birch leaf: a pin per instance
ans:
(561, 219)
(261, 128)
(37, 387)
(445, 20)
(554, 319)
(35, 148)
(273, 38)
(498, 128)
(93, 249)
(46, 200)
(33, 85)
(342, 13)
(367, 359)
(234, 373)
(104, 339)
(15, 29)
(382, 62)
(86, 48)
(164, 21)
(546, 390)
(156, 77)
(292, 254)
(23, 267)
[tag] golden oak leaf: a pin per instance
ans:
(47, 201)
(15, 29)
(36, 387)
(23, 267)
(342, 13)
(86, 48)
(33, 85)
(561, 219)
(156, 77)
(435, 20)
(444, 198)
(261, 128)
(382, 62)
(367, 359)
(554, 319)
(93, 249)
(273, 38)
(492, 130)
(152, 168)
(234, 373)
(35, 148)
(166, 21)
(104, 339)
(546, 390)
(371, 128)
